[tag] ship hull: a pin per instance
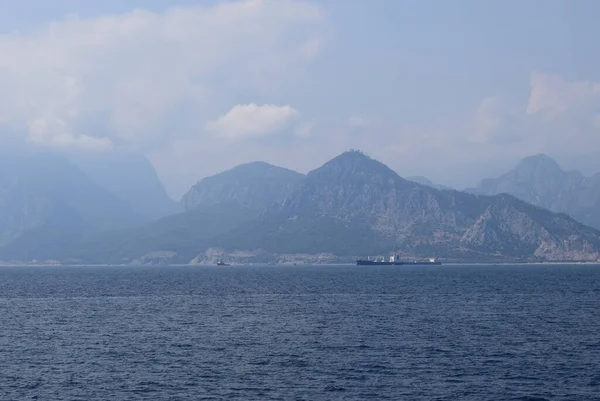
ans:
(373, 263)
(422, 263)
(398, 263)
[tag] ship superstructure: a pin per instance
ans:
(394, 260)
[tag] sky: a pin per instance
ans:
(455, 91)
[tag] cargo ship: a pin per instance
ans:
(379, 261)
(394, 260)
(430, 261)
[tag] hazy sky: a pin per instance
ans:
(453, 90)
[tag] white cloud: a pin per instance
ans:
(458, 150)
(488, 120)
(251, 120)
(551, 93)
(54, 132)
(357, 122)
(142, 78)
(304, 129)
(559, 116)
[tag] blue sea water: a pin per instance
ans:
(300, 333)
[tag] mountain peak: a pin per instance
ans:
(541, 181)
(352, 155)
(539, 162)
(256, 185)
(355, 163)
(256, 166)
(252, 170)
(141, 186)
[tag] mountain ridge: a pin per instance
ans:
(128, 175)
(427, 182)
(43, 190)
(256, 185)
(422, 219)
(350, 206)
(541, 181)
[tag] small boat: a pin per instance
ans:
(221, 263)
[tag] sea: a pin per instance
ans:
(450, 332)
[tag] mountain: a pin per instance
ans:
(43, 192)
(427, 182)
(356, 205)
(257, 186)
(539, 180)
(177, 238)
(352, 205)
(128, 175)
(214, 206)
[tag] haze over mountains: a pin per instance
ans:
(40, 191)
(52, 197)
(426, 181)
(539, 180)
(351, 206)
(128, 175)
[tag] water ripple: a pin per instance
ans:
(303, 333)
